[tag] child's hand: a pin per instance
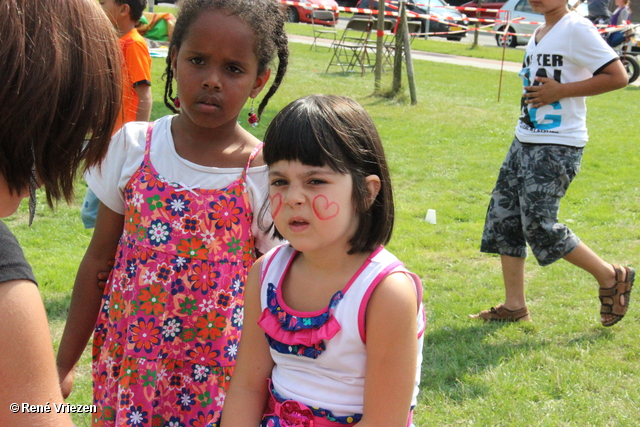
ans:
(103, 276)
(547, 92)
(66, 382)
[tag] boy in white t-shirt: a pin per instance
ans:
(566, 61)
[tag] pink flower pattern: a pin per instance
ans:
(148, 325)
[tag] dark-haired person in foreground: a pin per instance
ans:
(59, 82)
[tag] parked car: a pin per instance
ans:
(456, 2)
(301, 12)
(485, 5)
(454, 20)
(521, 31)
(449, 20)
(347, 3)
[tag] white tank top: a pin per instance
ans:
(331, 378)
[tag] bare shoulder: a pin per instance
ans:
(397, 290)
(250, 143)
(258, 160)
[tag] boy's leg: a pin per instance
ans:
(589, 261)
(515, 307)
(513, 275)
(550, 170)
(615, 286)
(503, 234)
(503, 231)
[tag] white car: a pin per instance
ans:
(520, 31)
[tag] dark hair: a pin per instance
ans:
(60, 82)
(336, 131)
(136, 7)
(265, 17)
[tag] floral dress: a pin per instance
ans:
(167, 334)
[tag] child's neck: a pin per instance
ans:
(328, 262)
(314, 278)
(551, 18)
(124, 27)
(224, 147)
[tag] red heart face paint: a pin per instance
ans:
(324, 209)
(312, 206)
(276, 204)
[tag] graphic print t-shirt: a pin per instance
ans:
(571, 51)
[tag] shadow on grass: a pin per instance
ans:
(453, 357)
(458, 362)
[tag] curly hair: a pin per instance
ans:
(265, 17)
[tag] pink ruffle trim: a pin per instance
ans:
(307, 337)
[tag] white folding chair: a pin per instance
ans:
(325, 29)
(350, 50)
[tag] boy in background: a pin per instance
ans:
(566, 61)
(136, 71)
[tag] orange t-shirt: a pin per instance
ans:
(136, 69)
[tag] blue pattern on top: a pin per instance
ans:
(293, 323)
(289, 322)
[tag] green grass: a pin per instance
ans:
(434, 44)
(561, 370)
(437, 45)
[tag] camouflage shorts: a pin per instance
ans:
(525, 202)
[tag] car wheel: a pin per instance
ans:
(292, 14)
(509, 40)
(455, 39)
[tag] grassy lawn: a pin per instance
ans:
(438, 45)
(434, 44)
(563, 369)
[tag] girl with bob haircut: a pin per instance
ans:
(342, 316)
(357, 152)
(59, 82)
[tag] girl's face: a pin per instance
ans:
(548, 6)
(312, 206)
(216, 70)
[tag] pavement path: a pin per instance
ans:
(437, 57)
(464, 61)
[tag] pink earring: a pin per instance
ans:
(253, 119)
(176, 102)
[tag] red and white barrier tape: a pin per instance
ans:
(435, 18)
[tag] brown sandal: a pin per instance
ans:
(501, 314)
(615, 300)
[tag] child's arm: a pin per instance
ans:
(612, 77)
(392, 345)
(27, 368)
(248, 392)
(144, 102)
(87, 294)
